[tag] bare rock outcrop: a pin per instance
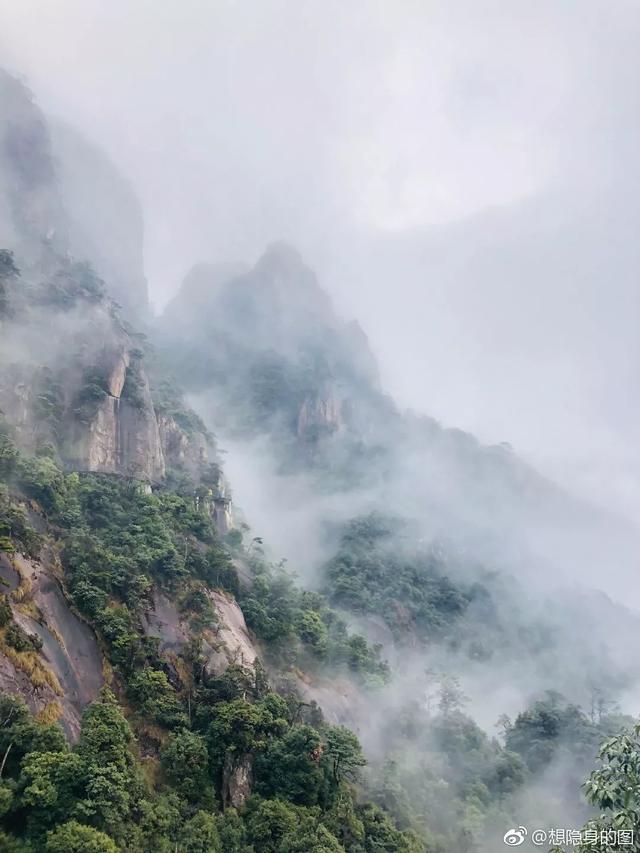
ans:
(182, 450)
(237, 780)
(320, 415)
(227, 641)
(122, 435)
(66, 674)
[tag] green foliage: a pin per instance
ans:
(185, 760)
(344, 753)
(21, 735)
(42, 480)
(371, 573)
(614, 789)
(168, 401)
(201, 835)
(197, 604)
(240, 727)
(233, 832)
(93, 389)
(281, 613)
(381, 835)
(8, 451)
(73, 283)
(550, 725)
(269, 822)
(74, 837)
(19, 640)
(94, 796)
(134, 390)
(153, 695)
(15, 531)
(49, 785)
(6, 615)
(290, 767)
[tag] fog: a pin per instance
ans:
(462, 175)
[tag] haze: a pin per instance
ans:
(463, 176)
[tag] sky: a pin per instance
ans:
(462, 175)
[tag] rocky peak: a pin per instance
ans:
(104, 216)
(32, 219)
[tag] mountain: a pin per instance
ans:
(167, 682)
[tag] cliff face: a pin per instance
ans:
(104, 216)
(269, 348)
(122, 436)
(60, 196)
(32, 219)
(320, 415)
(75, 388)
(182, 451)
(61, 677)
(86, 395)
(226, 642)
(72, 377)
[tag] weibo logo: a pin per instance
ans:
(515, 837)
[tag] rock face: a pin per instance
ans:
(66, 674)
(121, 439)
(226, 642)
(60, 195)
(184, 451)
(320, 415)
(222, 514)
(237, 780)
(237, 645)
(121, 435)
(110, 232)
(71, 375)
(32, 219)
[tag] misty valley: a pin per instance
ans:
(251, 603)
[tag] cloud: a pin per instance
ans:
(463, 175)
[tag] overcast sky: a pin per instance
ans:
(462, 175)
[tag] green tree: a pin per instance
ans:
(315, 840)
(233, 833)
(113, 785)
(381, 836)
(21, 734)
(614, 789)
(242, 727)
(344, 753)
(186, 765)
(105, 734)
(8, 844)
(290, 767)
(49, 786)
(201, 835)
(268, 823)
(151, 691)
(74, 837)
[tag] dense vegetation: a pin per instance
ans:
(370, 573)
(96, 796)
(164, 748)
(118, 544)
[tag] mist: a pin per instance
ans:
(461, 175)
(457, 474)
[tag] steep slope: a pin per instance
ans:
(109, 232)
(124, 577)
(459, 559)
(265, 358)
(203, 690)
